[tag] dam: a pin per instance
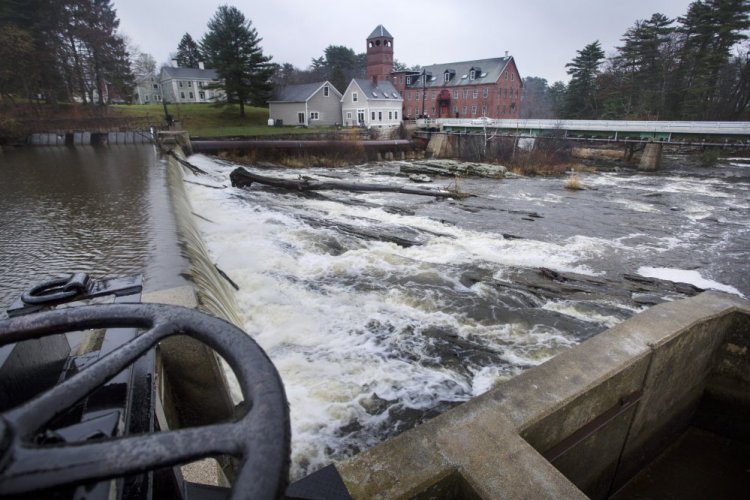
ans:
(374, 334)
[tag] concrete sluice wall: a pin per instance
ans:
(584, 423)
(88, 138)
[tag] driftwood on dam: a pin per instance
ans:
(241, 177)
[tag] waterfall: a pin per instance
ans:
(215, 296)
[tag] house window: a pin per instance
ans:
(202, 95)
(395, 115)
(191, 95)
(484, 110)
(455, 109)
(474, 110)
(355, 97)
(361, 116)
(506, 75)
(190, 83)
(146, 98)
(180, 83)
(472, 74)
(466, 94)
(373, 116)
(348, 115)
(455, 94)
(326, 91)
(390, 115)
(512, 76)
(200, 85)
(182, 95)
(485, 92)
(464, 110)
(475, 93)
(314, 115)
(156, 85)
(380, 116)
(434, 95)
(408, 80)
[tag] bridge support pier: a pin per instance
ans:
(651, 157)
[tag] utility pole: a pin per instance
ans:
(424, 91)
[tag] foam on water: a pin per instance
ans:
(686, 276)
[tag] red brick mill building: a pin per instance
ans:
(467, 89)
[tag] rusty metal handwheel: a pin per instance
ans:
(259, 439)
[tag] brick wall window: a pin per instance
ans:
(485, 92)
(484, 110)
(475, 93)
(455, 94)
(464, 110)
(474, 110)
(466, 95)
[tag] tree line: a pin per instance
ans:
(62, 50)
(695, 67)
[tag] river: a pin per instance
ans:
(382, 310)
(105, 211)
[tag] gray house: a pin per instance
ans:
(309, 104)
(189, 85)
(371, 103)
(147, 90)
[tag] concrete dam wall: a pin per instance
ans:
(584, 423)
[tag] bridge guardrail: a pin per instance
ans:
(685, 127)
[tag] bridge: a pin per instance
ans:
(653, 134)
(674, 132)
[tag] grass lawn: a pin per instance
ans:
(208, 120)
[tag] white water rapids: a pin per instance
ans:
(371, 337)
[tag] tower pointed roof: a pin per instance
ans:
(380, 32)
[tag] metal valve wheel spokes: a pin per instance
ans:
(260, 438)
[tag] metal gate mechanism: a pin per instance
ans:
(84, 426)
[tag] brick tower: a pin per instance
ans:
(379, 54)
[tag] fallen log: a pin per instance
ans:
(241, 178)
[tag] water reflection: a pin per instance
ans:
(104, 211)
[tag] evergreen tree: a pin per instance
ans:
(232, 47)
(556, 96)
(581, 95)
(641, 67)
(708, 31)
(188, 53)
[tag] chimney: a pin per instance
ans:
(506, 53)
(174, 63)
(201, 66)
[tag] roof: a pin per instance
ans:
(301, 92)
(379, 32)
(190, 73)
(490, 72)
(383, 90)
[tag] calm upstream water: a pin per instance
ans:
(104, 211)
(381, 310)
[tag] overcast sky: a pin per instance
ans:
(542, 35)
